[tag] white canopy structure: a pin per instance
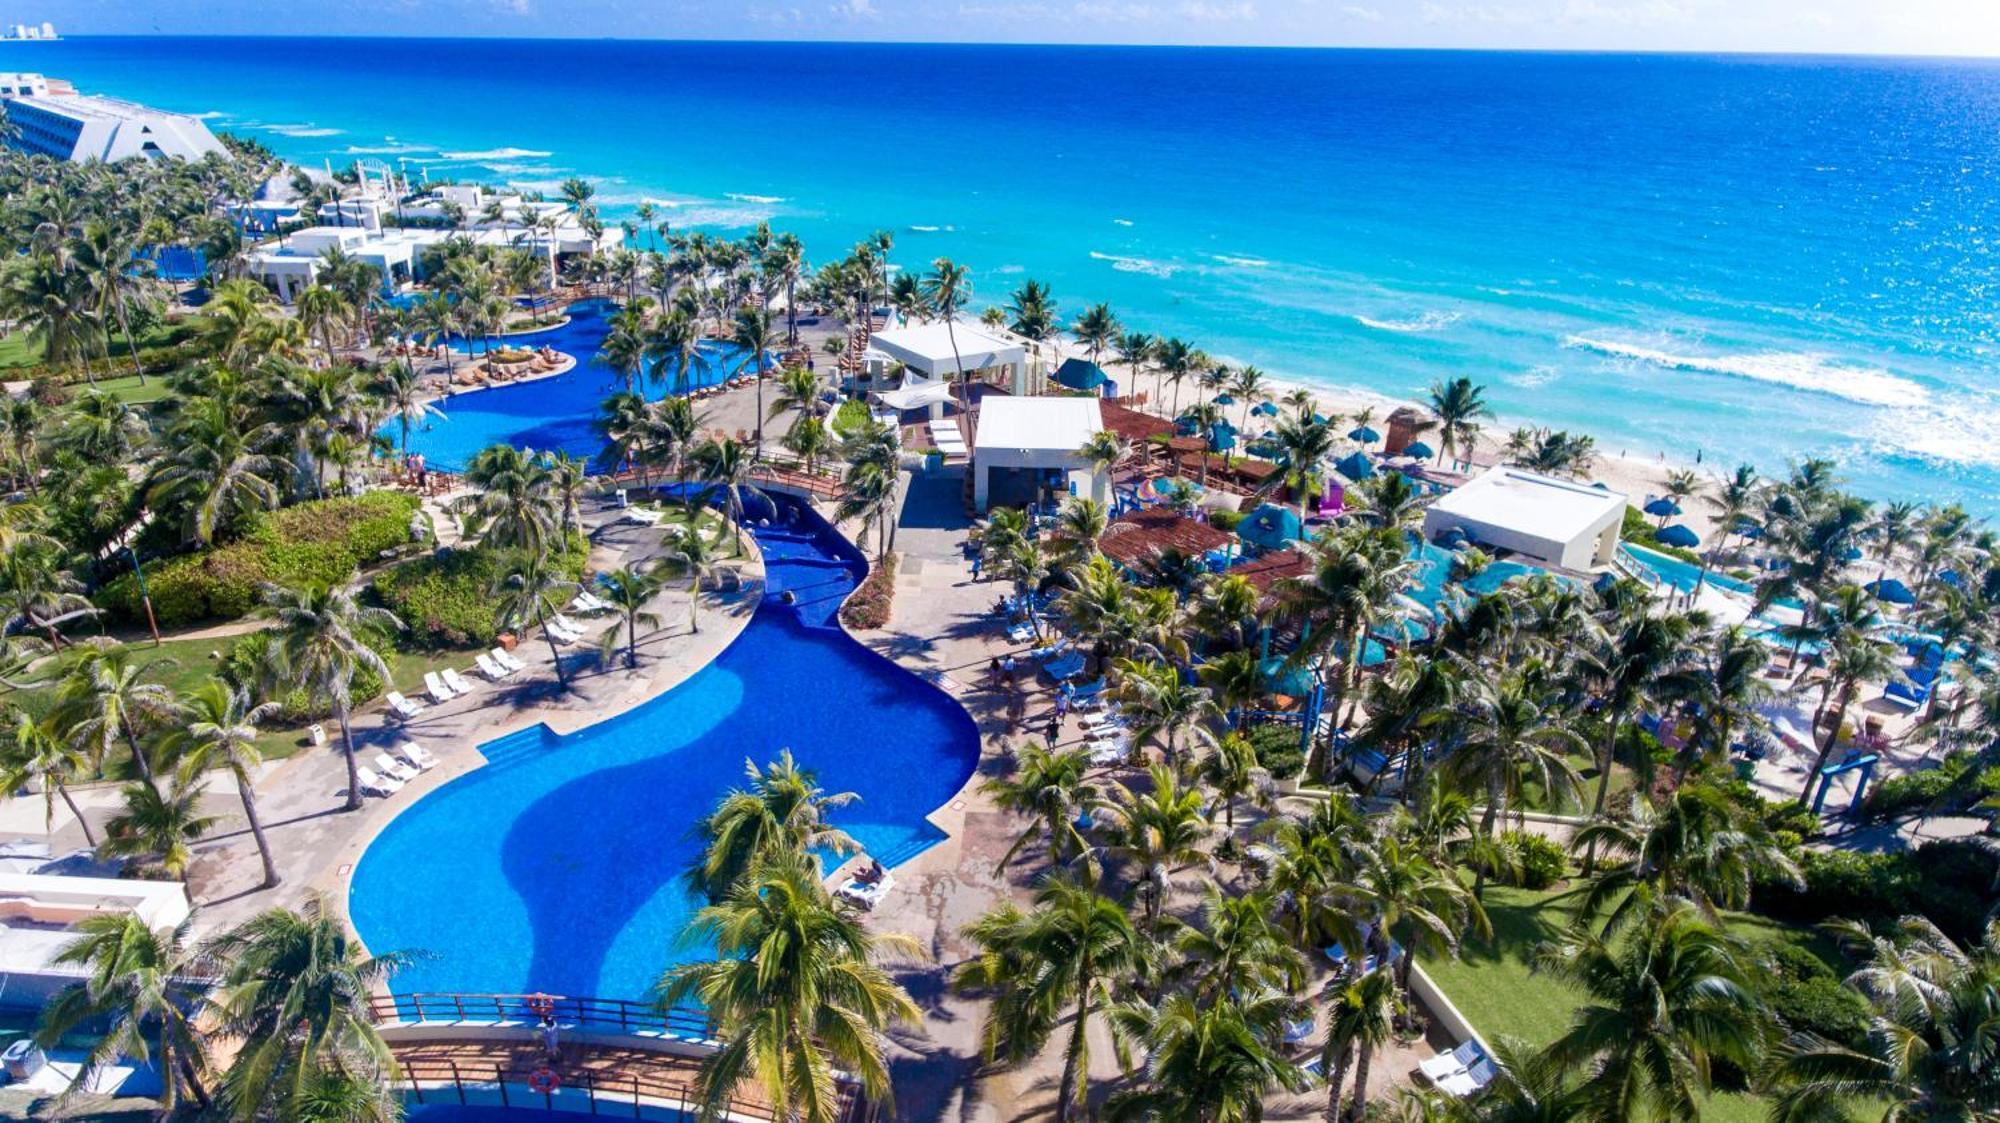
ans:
(940, 350)
(1557, 522)
(1023, 445)
(915, 395)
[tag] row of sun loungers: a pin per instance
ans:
(1461, 1072)
(389, 773)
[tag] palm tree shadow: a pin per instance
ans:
(1520, 926)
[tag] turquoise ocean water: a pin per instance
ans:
(1749, 258)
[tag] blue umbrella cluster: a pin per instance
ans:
(1419, 449)
(1364, 434)
(1663, 507)
(1355, 467)
(1678, 536)
(1888, 590)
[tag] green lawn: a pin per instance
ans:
(1492, 985)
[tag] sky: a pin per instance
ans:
(1954, 27)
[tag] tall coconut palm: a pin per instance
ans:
(1159, 833)
(626, 422)
(1415, 902)
(108, 257)
(630, 590)
(219, 730)
(1659, 1008)
(1163, 706)
(1510, 734)
(1069, 952)
(782, 810)
(294, 999)
(402, 394)
(1303, 444)
(754, 335)
(513, 498)
(1854, 656)
(1722, 688)
(1053, 788)
(142, 986)
(105, 699)
(322, 647)
(1096, 330)
(34, 756)
(1457, 406)
(1135, 349)
(796, 991)
(529, 595)
(1627, 667)
(726, 467)
(214, 472)
(1239, 947)
(946, 289)
(1361, 1018)
(1696, 845)
(160, 826)
(1206, 1062)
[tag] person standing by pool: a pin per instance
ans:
(549, 1043)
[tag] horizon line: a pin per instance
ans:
(1691, 52)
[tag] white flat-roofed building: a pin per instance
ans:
(1557, 522)
(54, 120)
(38, 918)
(940, 351)
(295, 260)
(1024, 446)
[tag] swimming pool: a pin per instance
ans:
(1433, 574)
(1683, 575)
(556, 866)
(549, 413)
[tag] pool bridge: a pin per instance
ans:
(614, 1057)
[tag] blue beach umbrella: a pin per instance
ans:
(1663, 507)
(1355, 467)
(1678, 535)
(1265, 409)
(1270, 527)
(1224, 400)
(1853, 553)
(1363, 434)
(1419, 449)
(1888, 590)
(1746, 529)
(1319, 419)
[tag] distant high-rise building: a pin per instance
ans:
(50, 118)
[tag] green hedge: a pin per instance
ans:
(446, 598)
(1949, 881)
(247, 660)
(320, 543)
(1277, 748)
(1951, 786)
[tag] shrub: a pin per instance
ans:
(247, 660)
(1947, 881)
(1540, 862)
(317, 543)
(868, 606)
(850, 417)
(445, 599)
(1277, 747)
(1225, 520)
(1955, 784)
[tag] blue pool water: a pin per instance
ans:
(1680, 574)
(555, 867)
(548, 414)
(1433, 573)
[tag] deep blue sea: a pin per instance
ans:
(1749, 258)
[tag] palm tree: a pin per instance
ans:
(1231, 768)
(629, 589)
(214, 471)
(1627, 667)
(1238, 948)
(1696, 845)
(1932, 1010)
(1659, 1007)
(753, 334)
(530, 594)
(726, 468)
(515, 499)
(625, 420)
(1096, 329)
(796, 994)
(1853, 656)
(219, 730)
(104, 699)
(34, 756)
(1134, 348)
(402, 394)
(295, 997)
(1419, 904)
(946, 290)
(781, 811)
(322, 646)
(1721, 690)
(109, 258)
(1054, 790)
(1361, 1017)
(1511, 735)
(1072, 949)
(1303, 444)
(1163, 705)
(1457, 405)
(1211, 1062)
(158, 826)
(693, 557)
(142, 985)
(1160, 832)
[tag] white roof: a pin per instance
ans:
(929, 347)
(1044, 424)
(1539, 506)
(915, 395)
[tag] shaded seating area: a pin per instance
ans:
(1133, 539)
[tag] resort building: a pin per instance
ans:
(938, 351)
(51, 119)
(1026, 450)
(1556, 522)
(39, 913)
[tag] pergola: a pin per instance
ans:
(939, 350)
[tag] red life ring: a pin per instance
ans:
(544, 1080)
(542, 1004)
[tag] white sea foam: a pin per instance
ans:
(760, 200)
(1434, 320)
(302, 130)
(1242, 262)
(498, 154)
(1800, 371)
(1127, 264)
(542, 171)
(1962, 430)
(387, 149)
(1122, 221)
(1532, 378)
(211, 115)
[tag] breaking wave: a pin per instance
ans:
(302, 130)
(760, 200)
(1429, 321)
(1244, 262)
(1125, 264)
(1797, 370)
(499, 154)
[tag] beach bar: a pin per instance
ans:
(1025, 447)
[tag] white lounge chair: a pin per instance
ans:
(394, 769)
(585, 603)
(371, 784)
(1105, 752)
(1452, 1063)
(644, 516)
(458, 682)
(867, 894)
(568, 623)
(562, 634)
(418, 756)
(506, 659)
(439, 692)
(402, 706)
(489, 668)
(1462, 1084)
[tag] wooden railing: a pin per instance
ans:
(444, 1080)
(617, 1014)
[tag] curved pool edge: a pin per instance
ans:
(453, 766)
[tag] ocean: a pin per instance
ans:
(1737, 258)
